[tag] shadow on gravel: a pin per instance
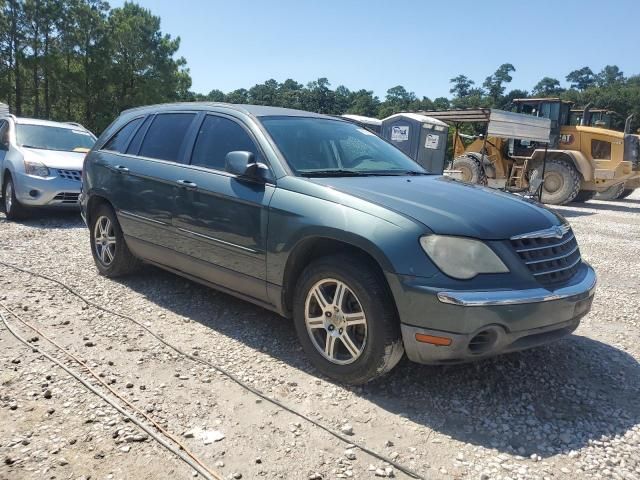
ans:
(49, 219)
(544, 401)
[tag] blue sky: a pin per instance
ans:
(377, 44)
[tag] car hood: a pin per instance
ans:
(449, 207)
(55, 159)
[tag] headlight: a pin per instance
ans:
(35, 168)
(462, 258)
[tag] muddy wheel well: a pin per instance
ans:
(311, 249)
(94, 202)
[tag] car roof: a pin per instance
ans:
(254, 110)
(48, 123)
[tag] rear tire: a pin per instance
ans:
(584, 196)
(472, 171)
(612, 193)
(108, 247)
(354, 337)
(12, 207)
(562, 182)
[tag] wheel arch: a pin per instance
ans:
(93, 203)
(575, 158)
(311, 248)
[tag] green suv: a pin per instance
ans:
(322, 221)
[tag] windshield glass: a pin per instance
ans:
(54, 138)
(319, 146)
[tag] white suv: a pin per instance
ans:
(41, 163)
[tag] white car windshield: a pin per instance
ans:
(54, 138)
(325, 147)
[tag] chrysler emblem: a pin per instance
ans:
(557, 231)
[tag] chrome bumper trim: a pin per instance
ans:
(584, 288)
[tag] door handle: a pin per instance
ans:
(187, 184)
(122, 169)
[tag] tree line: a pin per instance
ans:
(80, 60)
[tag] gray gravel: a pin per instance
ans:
(566, 411)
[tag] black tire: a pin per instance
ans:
(117, 260)
(12, 208)
(472, 171)
(381, 347)
(584, 196)
(565, 185)
(625, 193)
(612, 193)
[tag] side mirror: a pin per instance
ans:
(244, 165)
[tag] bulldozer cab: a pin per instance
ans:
(554, 109)
(598, 117)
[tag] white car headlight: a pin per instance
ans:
(462, 258)
(37, 169)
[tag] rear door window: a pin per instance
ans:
(165, 138)
(118, 143)
(217, 137)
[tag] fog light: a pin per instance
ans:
(34, 193)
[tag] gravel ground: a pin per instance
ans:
(566, 411)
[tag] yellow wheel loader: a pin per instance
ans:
(583, 157)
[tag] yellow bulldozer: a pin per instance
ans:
(584, 155)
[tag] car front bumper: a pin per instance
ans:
(456, 326)
(52, 192)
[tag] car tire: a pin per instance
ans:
(472, 171)
(361, 347)
(584, 196)
(563, 180)
(108, 246)
(11, 206)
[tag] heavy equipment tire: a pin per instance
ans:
(354, 337)
(626, 192)
(108, 246)
(472, 171)
(611, 193)
(562, 182)
(584, 196)
(11, 206)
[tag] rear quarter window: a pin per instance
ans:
(118, 143)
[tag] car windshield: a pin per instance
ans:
(326, 147)
(54, 138)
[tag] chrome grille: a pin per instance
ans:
(551, 259)
(70, 174)
(66, 197)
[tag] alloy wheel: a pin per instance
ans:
(104, 240)
(336, 321)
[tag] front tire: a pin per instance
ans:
(472, 171)
(561, 182)
(108, 247)
(13, 209)
(346, 319)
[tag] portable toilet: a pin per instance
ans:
(373, 124)
(422, 138)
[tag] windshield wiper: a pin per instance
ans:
(33, 146)
(334, 173)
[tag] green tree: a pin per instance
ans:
(461, 86)
(581, 79)
(495, 84)
(609, 75)
(547, 87)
